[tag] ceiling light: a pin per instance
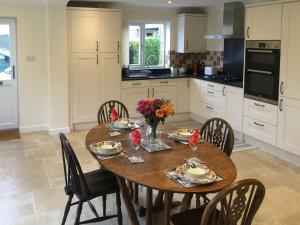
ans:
(169, 2)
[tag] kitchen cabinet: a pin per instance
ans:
(110, 72)
(95, 30)
(191, 29)
(290, 48)
(84, 30)
(85, 86)
(263, 22)
(195, 96)
(234, 107)
(183, 96)
(110, 35)
(167, 92)
(288, 125)
(131, 96)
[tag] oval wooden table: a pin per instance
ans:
(151, 173)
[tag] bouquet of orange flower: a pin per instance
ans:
(155, 111)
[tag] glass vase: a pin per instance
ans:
(153, 134)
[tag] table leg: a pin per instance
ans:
(186, 202)
(149, 206)
(126, 197)
(168, 206)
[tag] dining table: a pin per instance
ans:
(152, 172)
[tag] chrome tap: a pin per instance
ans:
(147, 61)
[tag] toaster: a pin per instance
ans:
(210, 70)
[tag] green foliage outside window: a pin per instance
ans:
(152, 47)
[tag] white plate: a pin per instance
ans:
(182, 134)
(106, 148)
(122, 124)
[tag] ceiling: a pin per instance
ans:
(142, 3)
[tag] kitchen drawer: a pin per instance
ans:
(260, 130)
(212, 96)
(261, 111)
(136, 83)
(208, 110)
(212, 86)
(163, 82)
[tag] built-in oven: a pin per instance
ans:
(262, 71)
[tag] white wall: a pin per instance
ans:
(215, 26)
(32, 76)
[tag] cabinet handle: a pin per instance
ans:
(248, 28)
(97, 46)
(210, 92)
(258, 124)
(210, 85)
(281, 88)
(118, 61)
(223, 91)
(164, 82)
(209, 107)
(280, 105)
(152, 92)
(259, 105)
(136, 84)
(118, 44)
(188, 83)
(148, 93)
(13, 72)
(97, 59)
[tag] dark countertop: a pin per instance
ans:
(238, 84)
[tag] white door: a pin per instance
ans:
(288, 125)
(110, 33)
(84, 32)
(110, 71)
(86, 87)
(290, 65)
(8, 75)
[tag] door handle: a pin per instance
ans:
(258, 124)
(188, 83)
(148, 93)
(186, 45)
(248, 28)
(97, 59)
(280, 105)
(13, 72)
(152, 92)
(97, 46)
(223, 91)
(281, 88)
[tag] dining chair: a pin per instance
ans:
(234, 205)
(86, 186)
(218, 132)
(105, 109)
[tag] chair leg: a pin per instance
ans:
(120, 217)
(78, 213)
(93, 209)
(67, 209)
(104, 204)
(186, 202)
(198, 202)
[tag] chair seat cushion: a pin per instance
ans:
(100, 182)
(189, 217)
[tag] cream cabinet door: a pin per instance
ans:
(86, 87)
(183, 96)
(290, 48)
(131, 96)
(167, 92)
(110, 34)
(195, 104)
(111, 77)
(288, 125)
(263, 22)
(84, 30)
(234, 107)
(191, 29)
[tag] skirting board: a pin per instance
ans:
(56, 131)
(28, 129)
(280, 153)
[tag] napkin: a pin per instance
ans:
(194, 139)
(136, 137)
(114, 115)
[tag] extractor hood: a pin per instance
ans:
(233, 21)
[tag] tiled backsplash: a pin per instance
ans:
(210, 58)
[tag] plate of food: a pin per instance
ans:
(196, 173)
(123, 124)
(182, 134)
(106, 148)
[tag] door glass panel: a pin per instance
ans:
(5, 53)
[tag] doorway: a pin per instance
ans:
(9, 118)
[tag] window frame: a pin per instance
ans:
(142, 25)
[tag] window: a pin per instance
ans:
(147, 44)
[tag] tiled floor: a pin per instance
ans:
(31, 182)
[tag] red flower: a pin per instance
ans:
(159, 113)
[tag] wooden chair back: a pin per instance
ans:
(106, 108)
(220, 133)
(235, 205)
